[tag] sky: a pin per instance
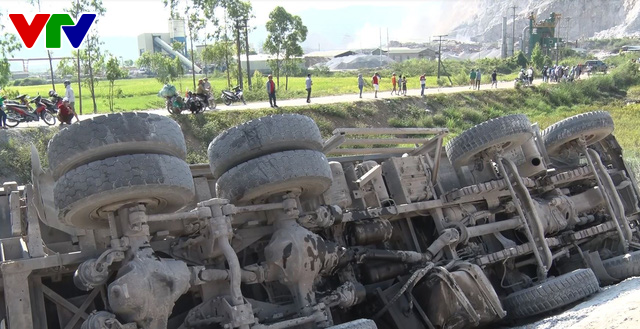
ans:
(348, 24)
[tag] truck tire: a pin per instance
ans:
(162, 182)
(112, 135)
(356, 324)
(276, 173)
(262, 136)
(594, 126)
(624, 266)
(551, 294)
(508, 132)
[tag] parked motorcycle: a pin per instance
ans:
(233, 96)
(53, 102)
(17, 113)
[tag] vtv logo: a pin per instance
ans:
(75, 32)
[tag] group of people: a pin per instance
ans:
(398, 82)
(558, 73)
(66, 108)
(401, 83)
(475, 79)
(271, 90)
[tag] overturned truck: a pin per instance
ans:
(370, 228)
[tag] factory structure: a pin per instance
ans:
(542, 33)
(161, 42)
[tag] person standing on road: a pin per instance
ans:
(3, 116)
(478, 79)
(374, 81)
(472, 79)
(66, 113)
(423, 82)
(68, 93)
(361, 83)
(494, 79)
(309, 83)
(271, 91)
(530, 75)
(404, 85)
(393, 83)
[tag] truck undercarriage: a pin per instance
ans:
(371, 228)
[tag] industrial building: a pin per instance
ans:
(400, 54)
(161, 42)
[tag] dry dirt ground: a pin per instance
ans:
(614, 307)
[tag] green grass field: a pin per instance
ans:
(141, 94)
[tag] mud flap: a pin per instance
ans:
(462, 298)
(595, 263)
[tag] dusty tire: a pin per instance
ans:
(163, 182)
(356, 324)
(509, 132)
(594, 126)
(276, 173)
(624, 266)
(262, 136)
(112, 135)
(551, 294)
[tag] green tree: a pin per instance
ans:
(67, 66)
(286, 32)
(114, 72)
(166, 69)
(91, 53)
(521, 59)
(8, 44)
(128, 62)
(536, 57)
(218, 55)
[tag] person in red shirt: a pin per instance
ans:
(271, 90)
(393, 82)
(374, 81)
(66, 112)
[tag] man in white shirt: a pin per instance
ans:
(69, 94)
(308, 85)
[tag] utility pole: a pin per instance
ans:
(246, 40)
(380, 47)
(440, 51)
(53, 84)
(568, 26)
(193, 65)
(238, 49)
(513, 31)
(78, 60)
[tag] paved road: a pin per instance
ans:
(316, 100)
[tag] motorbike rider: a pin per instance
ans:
(3, 116)
(201, 91)
(66, 113)
(521, 75)
(207, 85)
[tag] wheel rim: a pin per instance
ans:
(48, 118)
(12, 119)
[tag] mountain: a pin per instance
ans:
(580, 18)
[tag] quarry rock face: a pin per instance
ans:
(580, 18)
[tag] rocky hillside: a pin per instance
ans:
(587, 18)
